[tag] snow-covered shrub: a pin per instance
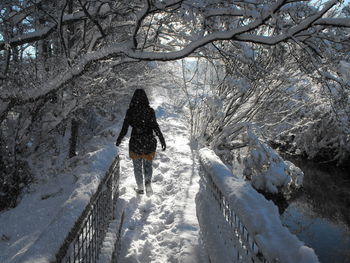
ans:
(326, 138)
(13, 178)
(267, 170)
(315, 128)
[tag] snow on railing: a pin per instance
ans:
(84, 241)
(238, 224)
(246, 248)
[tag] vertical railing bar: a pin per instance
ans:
(83, 237)
(85, 243)
(78, 248)
(98, 218)
(96, 232)
(93, 235)
(89, 237)
(74, 252)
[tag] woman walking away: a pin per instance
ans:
(142, 145)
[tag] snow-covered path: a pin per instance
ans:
(163, 227)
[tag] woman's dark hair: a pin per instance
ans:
(139, 99)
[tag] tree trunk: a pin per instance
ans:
(73, 138)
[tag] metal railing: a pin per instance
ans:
(246, 247)
(84, 241)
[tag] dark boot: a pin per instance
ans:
(139, 191)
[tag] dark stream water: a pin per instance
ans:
(320, 213)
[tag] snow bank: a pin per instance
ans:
(259, 216)
(37, 227)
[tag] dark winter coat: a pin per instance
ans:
(144, 124)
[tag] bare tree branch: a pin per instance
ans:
(86, 12)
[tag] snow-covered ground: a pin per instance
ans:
(163, 227)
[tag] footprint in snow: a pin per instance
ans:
(170, 219)
(155, 164)
(169, 190)
(169, 244)
(147, 207)
(158, 178)
(164, 169)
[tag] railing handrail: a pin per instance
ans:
(246, 246)
(111, 181)
(217, 177)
